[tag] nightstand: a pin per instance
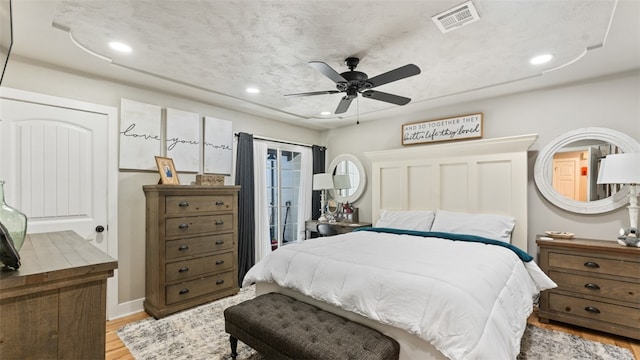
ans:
(343, 227)
(598, 285)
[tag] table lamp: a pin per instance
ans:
(341, 182)
(323, 182)
(624, 169)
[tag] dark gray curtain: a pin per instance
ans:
(246, 215)
(318, 167)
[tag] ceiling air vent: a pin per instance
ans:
(456, 17)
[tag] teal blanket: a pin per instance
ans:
(451, 236)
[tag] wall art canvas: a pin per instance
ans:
(183, 142)
(218, 146)
(140, 135)
(461, 127)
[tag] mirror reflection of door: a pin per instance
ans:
(575, 172)
(571, 174)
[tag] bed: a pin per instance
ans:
(444, 271)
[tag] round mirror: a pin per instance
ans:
(566, 170)
(332, 207)
(347, 164)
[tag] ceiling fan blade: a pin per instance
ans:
(327, 71)
(386, 97)
(314, 93)
(393, 75)
(343, 106)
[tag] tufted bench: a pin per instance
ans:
(281, 327)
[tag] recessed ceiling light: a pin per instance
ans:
(325, 113)
(252, 90)
(541, 59)
(120, 47)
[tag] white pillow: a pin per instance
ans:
(419, 220)
(496, 227)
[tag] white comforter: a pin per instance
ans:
(470, 300)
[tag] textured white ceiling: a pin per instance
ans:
(222, 47)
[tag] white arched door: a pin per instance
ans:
(57, 162)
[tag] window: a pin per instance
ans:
(283, 189)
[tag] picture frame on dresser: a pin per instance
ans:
(167, 170)
(598, 285)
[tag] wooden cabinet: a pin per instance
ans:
(191, 246)
(54, 306)
(598, 285)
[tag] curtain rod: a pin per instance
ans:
(278, 140)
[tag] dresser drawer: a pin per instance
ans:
(195, 204)
(195, 288)
(198, 224)
(594, 265)
(196, 267)
(591, 285)
(595, 310)
(198, 245)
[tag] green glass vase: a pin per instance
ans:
(13, 229)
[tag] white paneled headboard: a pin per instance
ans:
(482, 176)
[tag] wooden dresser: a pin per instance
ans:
(598, 285)
(191, 246)
(54, 306)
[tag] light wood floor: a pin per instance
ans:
(117, 350)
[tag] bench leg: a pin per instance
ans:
(234, 346)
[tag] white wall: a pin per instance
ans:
(612, 102)
(131, 201)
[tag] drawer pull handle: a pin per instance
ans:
(219, 222)
(183, 269)
(592, 286)
(591, 264)
(592, 309)
(183, 226)
(183, 247)
(219, 262)
(183, 291)
(219, 282)
(219, 202)
(219, 242)
(183, 204)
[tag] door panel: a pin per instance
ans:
(564, 179)
(57, 161)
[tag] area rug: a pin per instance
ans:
(199, 333)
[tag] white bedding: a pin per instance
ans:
(469, 300)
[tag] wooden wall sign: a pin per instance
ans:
(448, 129)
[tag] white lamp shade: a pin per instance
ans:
(322, 181)
(620, 169)
(341, 182)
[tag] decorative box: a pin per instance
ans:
(210, 180)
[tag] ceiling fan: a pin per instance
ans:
(353, 82)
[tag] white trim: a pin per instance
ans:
(128, 308)
(112, 169)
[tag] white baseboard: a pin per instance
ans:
(127, 308)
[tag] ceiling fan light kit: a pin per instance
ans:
(354, 82)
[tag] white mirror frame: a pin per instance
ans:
(543, 173)
(363, 177)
